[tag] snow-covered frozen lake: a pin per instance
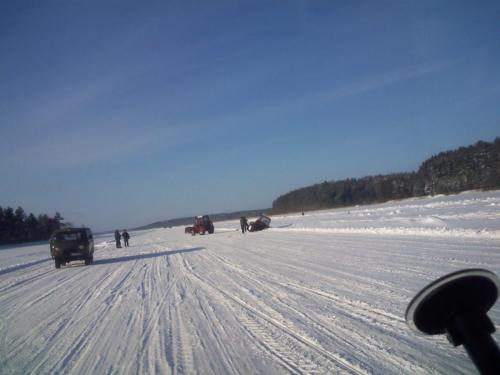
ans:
(322, 293)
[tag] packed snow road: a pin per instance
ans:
(323, 293)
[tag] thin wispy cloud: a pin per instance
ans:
(374, 82)
(84, 146)
(266, 113)
(179, 93)
(76, 96)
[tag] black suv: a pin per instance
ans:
(72, 244)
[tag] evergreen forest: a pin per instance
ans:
(16, 226)
(466, 168)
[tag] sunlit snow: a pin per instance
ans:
(320, 293)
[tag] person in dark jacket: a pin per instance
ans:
(125, 236)
(243, 224)
(117, 239)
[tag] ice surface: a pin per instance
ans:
(321, 293)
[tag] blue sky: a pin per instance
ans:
(119, 113)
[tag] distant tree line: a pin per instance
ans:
(16, 226)
(467, 168)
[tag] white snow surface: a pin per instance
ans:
(320, 293)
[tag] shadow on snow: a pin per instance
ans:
(24, 265)
(128, 258)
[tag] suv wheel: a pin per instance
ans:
(57, 262)
(87, 261)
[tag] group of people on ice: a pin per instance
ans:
(118, 237)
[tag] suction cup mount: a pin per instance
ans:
(456, 305)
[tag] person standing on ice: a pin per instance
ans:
(125, 236)
(243, 224)
(117, 239)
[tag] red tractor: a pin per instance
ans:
(202, 225)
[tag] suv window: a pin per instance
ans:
(70, 236)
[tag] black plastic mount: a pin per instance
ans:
(456, 305)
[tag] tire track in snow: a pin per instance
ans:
(84, 307)
(152, 317)
(317, 269)
(180, 341)
(21, 266)
(260, 334)
(283, 353)
(251, 327)
(19, 308)
(126, 285)
(348, 303)
(214, 326)
(12, 285)
(95, 319)
(365, 314)
(25, 287)
(348, 336)
(350, 308)
(364, 321)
